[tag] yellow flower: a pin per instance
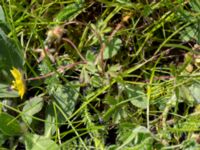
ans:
(18, 82)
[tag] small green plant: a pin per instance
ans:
(99, 75)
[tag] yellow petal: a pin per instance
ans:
(18, 82)
(16, 73)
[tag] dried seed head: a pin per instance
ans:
(55, 34)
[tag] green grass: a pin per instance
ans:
(100, 74)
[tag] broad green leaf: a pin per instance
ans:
(147, 10)
(189, 33)
(50, 124)
(36, 142)
(10, 56)
(84, 76)
(136, 95)
(112, 48)
(195, 91)
(3, 138)
(3, 148)
(114, 69)
(133, 135)
(185, 94)
(117, 109)
(96, 81)
(190, 144)
(3, 24)
(31, 107)
(70, 12)
(195, 4)
(90, 56)
(9, 125)
(2, 16)
(66, 98)
(7, 92)
(145, 144)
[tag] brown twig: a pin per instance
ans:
(74, 46)
(73, 22)
(60, 70)
(117, 28)
(160, 78)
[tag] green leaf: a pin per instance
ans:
(9, 125)
(136, 95)
(10, 56)
(36, 142)
(70, 12)
(2, 16)
(189, 33)
(3, 24)
(31, 107)
(195, 91)
(7, 92)
(84, 76)
(114, 69)
(112, 48)
(133, 135)
(190, 144)
(90, 56)
(185, 94)
(3, 138)
(66, 98)
(147, 143)
(96, 81)
(50, 126)
(195, 4)
(147, 10)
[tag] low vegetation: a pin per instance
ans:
(99, 74)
